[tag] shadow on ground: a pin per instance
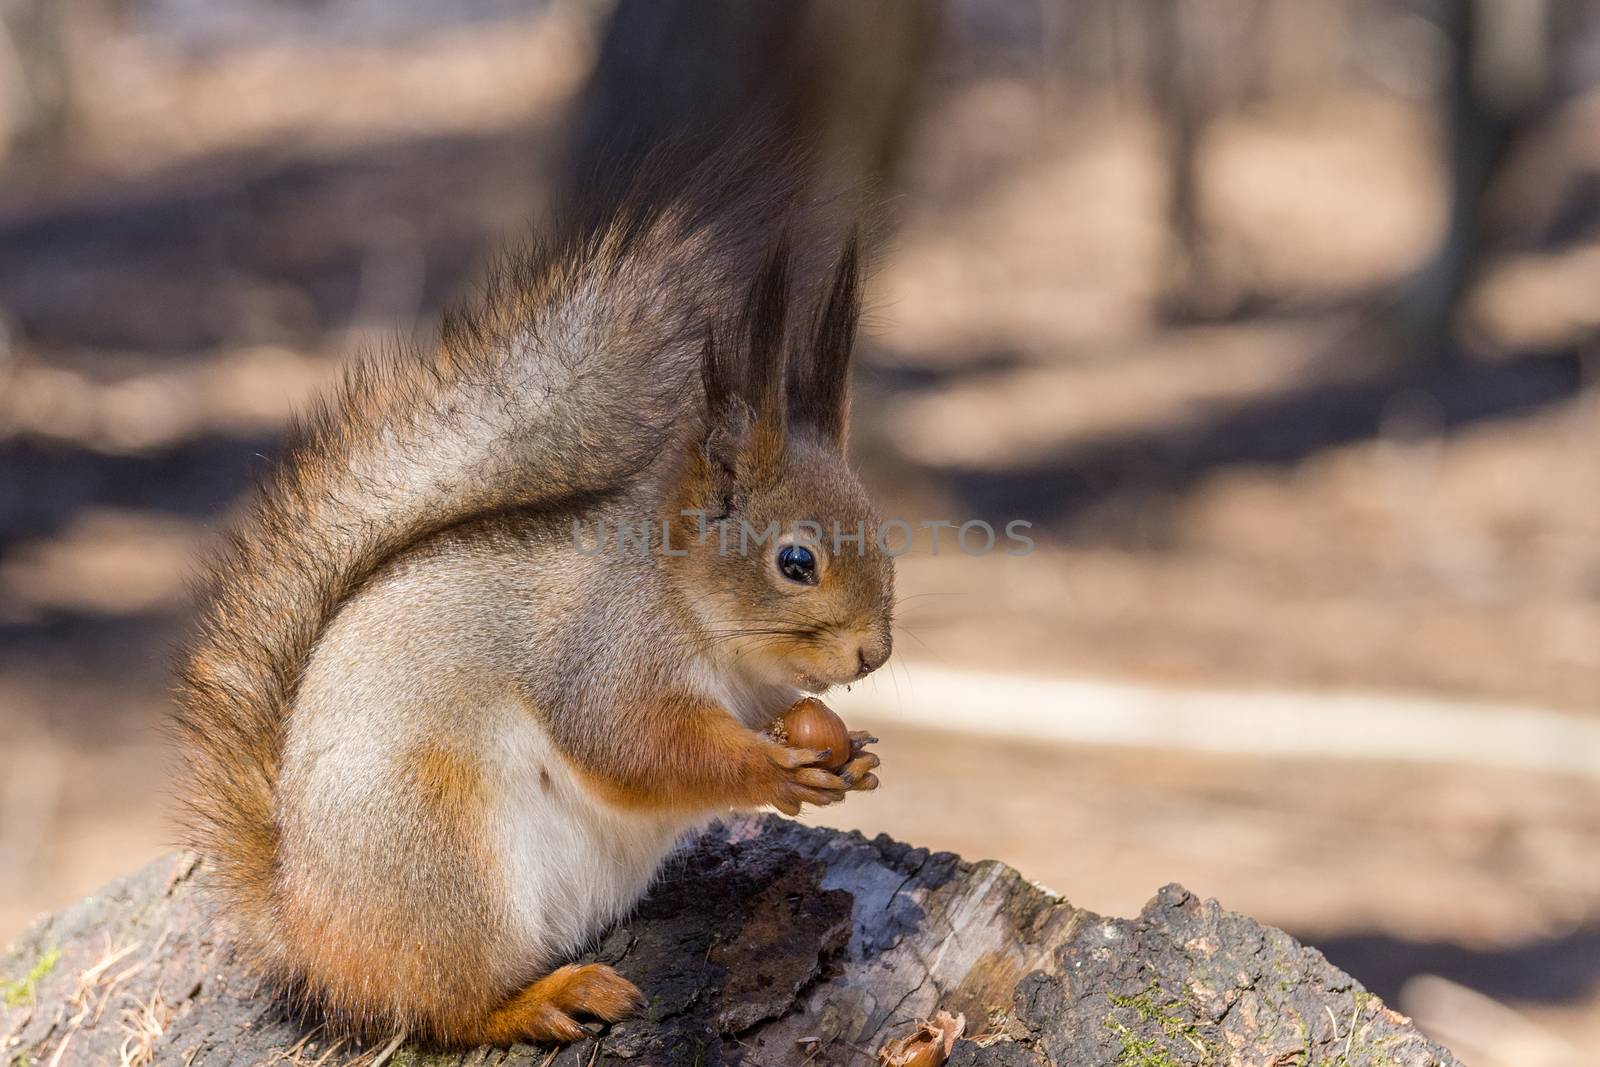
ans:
(1556, 970)
(1062, 492)
(248, 243)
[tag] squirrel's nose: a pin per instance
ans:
(871, 655)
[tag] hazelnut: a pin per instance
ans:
(810, 723)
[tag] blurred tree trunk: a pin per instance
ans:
(834, 81)
(36, 100)
(1178, 99)
(1202, 60)
(1499, 69)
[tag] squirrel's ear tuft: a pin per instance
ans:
(766, 315)
(820, 392)
(720, 380)
(745, 418)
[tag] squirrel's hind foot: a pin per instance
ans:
(546, 1010)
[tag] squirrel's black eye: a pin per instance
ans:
(798, 564)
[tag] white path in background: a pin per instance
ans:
(1268, 722)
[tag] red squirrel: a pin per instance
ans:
(435, 740)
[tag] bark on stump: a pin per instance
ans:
(765, 943)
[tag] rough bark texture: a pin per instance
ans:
(765, 943)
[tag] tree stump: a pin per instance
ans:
(765, 943)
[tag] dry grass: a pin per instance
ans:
(144, 1024)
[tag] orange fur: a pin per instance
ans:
(450, 784)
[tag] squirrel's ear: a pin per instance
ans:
(820, 392)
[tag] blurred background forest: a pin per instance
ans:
(1277, 318)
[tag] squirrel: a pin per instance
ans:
(435, 742)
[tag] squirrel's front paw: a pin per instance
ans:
(796, 780)
(800, 780)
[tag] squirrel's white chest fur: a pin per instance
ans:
(571, 863)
